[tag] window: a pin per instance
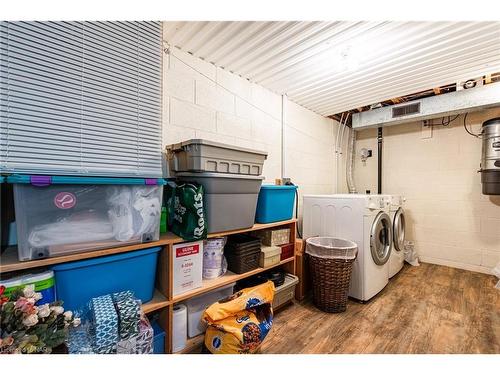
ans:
(81, 98)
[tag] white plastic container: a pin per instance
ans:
(269, 255)
(187, 266)
(286, 292)
(57, 215)
(214, 262)
(197, 305)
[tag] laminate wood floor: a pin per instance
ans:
(426, 309)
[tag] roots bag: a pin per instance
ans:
(239, 323)
(186, 211)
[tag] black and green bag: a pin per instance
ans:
(186, 211)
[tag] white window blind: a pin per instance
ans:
(81, 98)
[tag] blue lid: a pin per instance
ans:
(105, 259)
(278, 187)
(39, 180)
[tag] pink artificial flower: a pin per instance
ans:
(25, 305)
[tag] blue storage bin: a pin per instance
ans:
(275, 203)
(158, 339)
(78, 282)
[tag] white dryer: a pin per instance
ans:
(397, 259)
(363, 219)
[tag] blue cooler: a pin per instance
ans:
(275, 203)
(78, 282)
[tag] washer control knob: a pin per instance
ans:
(372, 206)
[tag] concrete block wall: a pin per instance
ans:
(449, 219)
(309, 145)
(203, 101)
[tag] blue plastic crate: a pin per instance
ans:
(275, 203)
(78, 282)
(158, 339)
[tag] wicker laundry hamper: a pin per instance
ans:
(330, 266)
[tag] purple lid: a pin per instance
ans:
(41, 180)
(151, 181)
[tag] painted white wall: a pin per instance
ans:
(449, 219)
(203, 101)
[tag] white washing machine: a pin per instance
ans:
(397, 259)
(363, 219)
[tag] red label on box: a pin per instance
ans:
(187, 250)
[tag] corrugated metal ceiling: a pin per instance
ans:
(330, 67)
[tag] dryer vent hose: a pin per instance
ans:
(350, 163)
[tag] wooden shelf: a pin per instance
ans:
(228, 278)
(159, 301)
(193, 345)
(255, 227)
(9, 261)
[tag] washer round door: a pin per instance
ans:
(399, 229)
(381, 239)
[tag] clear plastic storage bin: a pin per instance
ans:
(196, 307)
(285, 292)
(61, 215)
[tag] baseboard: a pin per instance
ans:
(449, 263)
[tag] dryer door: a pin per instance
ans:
(381, 239)
(399, 229)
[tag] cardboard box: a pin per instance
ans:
(273, 237)
(187, 266)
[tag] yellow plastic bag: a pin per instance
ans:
(239, 323)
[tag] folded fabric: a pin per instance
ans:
(105, 321)
(129, 313)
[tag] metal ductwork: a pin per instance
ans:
(453, 103)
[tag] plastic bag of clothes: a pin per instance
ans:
(186, 211)
(239, 323)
